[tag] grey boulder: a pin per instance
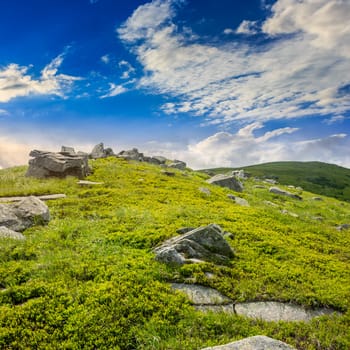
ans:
(132, 154)
(202, 244)
(178, 164)
(24, 214)
(258, 342)
(278, 191)
(227, 181)
(10, 234)
(50, 164)
(100, 152)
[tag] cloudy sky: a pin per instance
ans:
(214, 83)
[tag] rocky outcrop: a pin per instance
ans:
(24, 214)
(240, 174)
(202, 244)
(258, 342)
(277, 190)
(177, 164)
(100, 152)
(50, 164)
(132, 154)
(227, 181)
(67, 149)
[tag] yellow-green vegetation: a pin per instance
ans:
(317, 177)
(88, 280)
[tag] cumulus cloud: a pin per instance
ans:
(248, 27)
(114, 90)
(324, 22)
(293, 77)
(246, 148)
(16, 82)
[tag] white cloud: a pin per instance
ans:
(335, 119)
(228, 31)
(3, 112)
(114, 90)
(16, 82)
(145, 20)
(245, 148)
(105, 59)
(292, 77)
(248, 27)
(128, 69)
(325, 22)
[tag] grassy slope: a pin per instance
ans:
(322, 178)
(88, 280)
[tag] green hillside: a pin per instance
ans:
(321, 178)
(89, 280)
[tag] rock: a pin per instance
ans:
(258, 342)
(259, 186)
(20, 216)
(100, 152)
(66, 149)
(168, 173)
(317, 218)
(343, 227)
(132, 154)
(159, 159)
(228, 181)
(271, 204)
(10, 234)
(184, 230)
(238, 200)
(178, 164)
(88, 183)
(200, 295)
(50, 164)
(42, 197)
(317, 198)
(271, 181)
(240, 174)
(286, 212)
(202, 244)
(277, 190)
(205, 190)
(274, 311)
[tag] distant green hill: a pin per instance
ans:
(317, 177)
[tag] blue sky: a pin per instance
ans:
(215, 83)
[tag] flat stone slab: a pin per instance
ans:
(88, 183)
(200, 295)
(258, 342)
(43, 197)
(275, 311)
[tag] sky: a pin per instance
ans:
(211, 82)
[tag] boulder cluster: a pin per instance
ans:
(67, 162)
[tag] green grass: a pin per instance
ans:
(88, 280)
(321, 178)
